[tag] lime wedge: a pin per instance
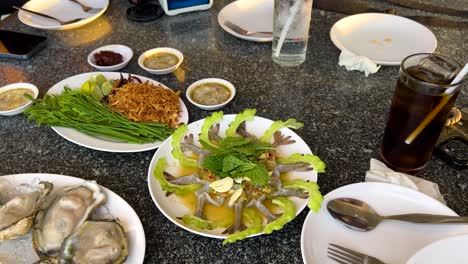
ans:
(106, 87)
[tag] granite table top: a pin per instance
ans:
(344, 115)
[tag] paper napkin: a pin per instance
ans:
(379, 172)
(353, 62)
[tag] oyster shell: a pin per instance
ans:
(17, 215)
(69, 209)
(95, 242)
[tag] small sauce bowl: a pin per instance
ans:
(223, 82)
(145, 55)
(23, 107)
(123, 50)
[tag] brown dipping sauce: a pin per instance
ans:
(108, 58)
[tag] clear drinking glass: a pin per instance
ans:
(423, 89)
(291, 21)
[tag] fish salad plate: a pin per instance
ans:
(385, 39)
(20, 250)
(240, 195)
(391, 241)
(101, 143)
(254, 16)
(64, 10)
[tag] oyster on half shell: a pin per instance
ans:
(69, 209)
(95, 242)
(17, 215)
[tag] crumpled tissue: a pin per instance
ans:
(353, 62)
(379, 172)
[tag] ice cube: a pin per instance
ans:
(435, 69)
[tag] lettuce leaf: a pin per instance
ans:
(158, 174)
(289, 213)
(291, 123)
(247, 114)
(207, 124)
(315, 197)
(256, 226)
(314, 160)
(177, 151)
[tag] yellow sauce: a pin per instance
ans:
(210, 94)
(161, 61)
(212, 212)
(13, 99)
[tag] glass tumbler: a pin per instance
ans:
(423, 92)
(291, 21)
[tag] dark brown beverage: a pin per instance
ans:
(418, 91)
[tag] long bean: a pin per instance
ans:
(80, 111)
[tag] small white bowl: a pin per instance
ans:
(125, 51)
(229, 85)
(150, 52)
(23, 107)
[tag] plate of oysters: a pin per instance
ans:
(50, 218)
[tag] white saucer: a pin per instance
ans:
(451, 250)
(392, 241)
(383, 38)
(251, 15)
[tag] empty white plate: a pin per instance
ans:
(255, 16)
(391, 241)
(451, 250)
(383, 38)
(64, 10)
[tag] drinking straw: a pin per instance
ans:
(286, 26)
(437, 109)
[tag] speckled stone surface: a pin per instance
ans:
(344, 115)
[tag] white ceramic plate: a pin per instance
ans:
(115, 205)
(171, 206)
(449, 250)
(100, 143)
(64, 10)
(250, 15)
(392, 242)
(383, 38)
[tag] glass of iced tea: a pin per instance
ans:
(424, 84)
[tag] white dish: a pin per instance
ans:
(99, 143)
(62, 9)
(255, 16)
(125, 51)
(171, 206)
(392, 241)
(20, 109)
(383, 38)
(450, 250)
(229, 85)
(115, 205)
(150, 52)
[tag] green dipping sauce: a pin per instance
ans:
(161, 61)
(210, 93)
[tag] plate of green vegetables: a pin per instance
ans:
(235, 176)
(76, 112)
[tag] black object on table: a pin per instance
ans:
(144, 10)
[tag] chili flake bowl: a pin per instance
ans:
(123, 50)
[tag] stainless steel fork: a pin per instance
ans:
(347, 256)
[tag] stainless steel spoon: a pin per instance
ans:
(359, 216)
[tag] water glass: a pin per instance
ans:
(291, 21)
